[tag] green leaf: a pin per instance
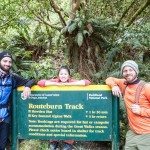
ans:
(72, 27)
(77, 19)
(64, 30)
(80, 38)
(69, 22)
(80, 24)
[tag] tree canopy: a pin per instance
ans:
(92, 36)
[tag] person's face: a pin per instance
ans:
(6, 64)
(63, 75)
(129, 74)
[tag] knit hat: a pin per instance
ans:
(132, 64)
(5, 54)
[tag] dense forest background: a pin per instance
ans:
(93, 37)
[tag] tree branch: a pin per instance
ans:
(75, 4)
(41, 19)
(46, 23)
(125, 12)
(138, 12)
(58, 11)
(8, 22)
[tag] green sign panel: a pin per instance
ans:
(88, 114)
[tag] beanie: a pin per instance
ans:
(132, 64)
(5, 54)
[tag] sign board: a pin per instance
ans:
(83, 113)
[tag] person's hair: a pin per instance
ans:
(64, 67)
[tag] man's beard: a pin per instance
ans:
(5, 70)
(132, 80)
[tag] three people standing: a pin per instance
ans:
(137, 101)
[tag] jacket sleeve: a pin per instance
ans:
(145, 110)
(87, 82)
(41, 82)
(80, 82)
(20, 81)
(111, 81)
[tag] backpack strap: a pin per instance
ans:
(138, 91)
(13, 80)
(123, 93)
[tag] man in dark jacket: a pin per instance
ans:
(8, 82)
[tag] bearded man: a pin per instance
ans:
(8, 82)
(136, 95)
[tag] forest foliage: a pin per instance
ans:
(92, 36)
